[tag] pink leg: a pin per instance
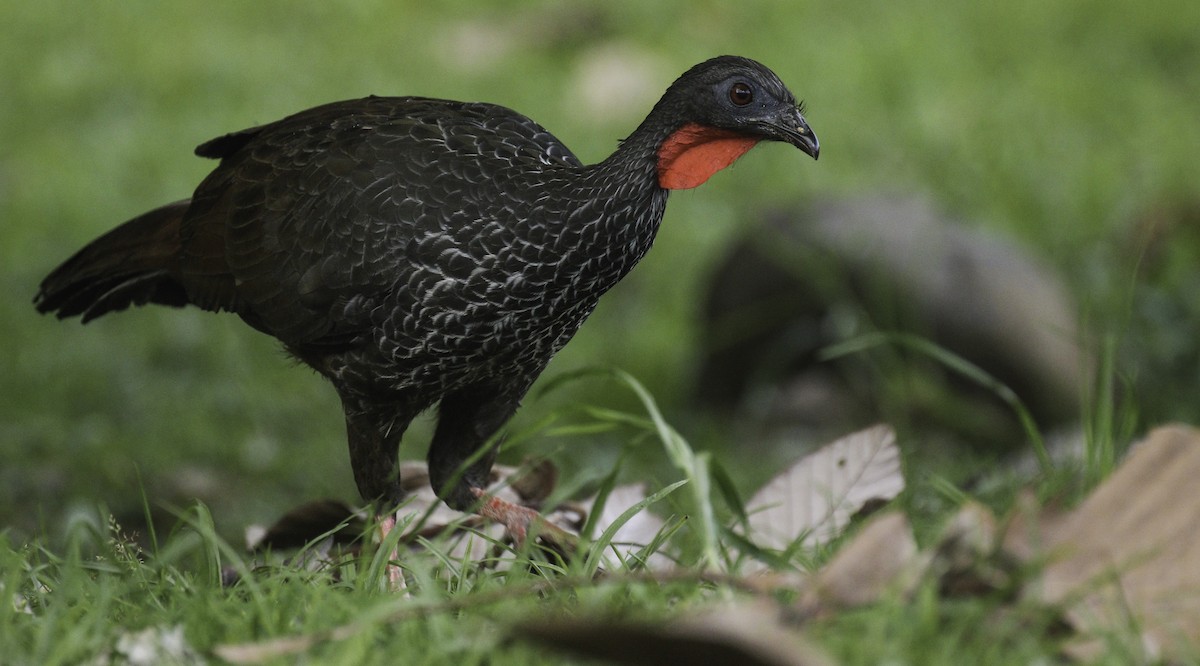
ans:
(395, 574)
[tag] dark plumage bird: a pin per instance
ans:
(419, 251)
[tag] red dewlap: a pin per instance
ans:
(695, 152)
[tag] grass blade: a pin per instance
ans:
(592, 563)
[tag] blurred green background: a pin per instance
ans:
(1070, 126)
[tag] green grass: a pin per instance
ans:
(1065, 125)
(100, 594)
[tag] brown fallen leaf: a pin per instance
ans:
(815, 498)
(881, 556)
(1128, 558)
(747, 634)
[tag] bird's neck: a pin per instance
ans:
(634, 164)
(677, 155)
(617, 204)
(608, 215)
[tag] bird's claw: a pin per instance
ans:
(522, 522)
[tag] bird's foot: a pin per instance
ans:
(523, 522)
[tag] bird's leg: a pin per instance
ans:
(468, 421)
(373, 430)
(395, 575)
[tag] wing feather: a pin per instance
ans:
(326, 218)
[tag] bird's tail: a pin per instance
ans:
(130, 265)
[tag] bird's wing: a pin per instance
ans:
(310, 224)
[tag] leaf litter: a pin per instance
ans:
(1123, 565)
(812, 501)
(1127, 560)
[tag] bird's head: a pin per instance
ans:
(718, 110)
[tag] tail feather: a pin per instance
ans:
(133, 264)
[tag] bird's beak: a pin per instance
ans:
(792, 128)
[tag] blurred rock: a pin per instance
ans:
(815, 275)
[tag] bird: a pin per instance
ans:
(423, 253)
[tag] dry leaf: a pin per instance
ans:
(816, 497)
(744, 634)
(864, 568)
(1129, 556)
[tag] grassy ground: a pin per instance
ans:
(1062, 124)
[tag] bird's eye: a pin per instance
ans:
(740, 94)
